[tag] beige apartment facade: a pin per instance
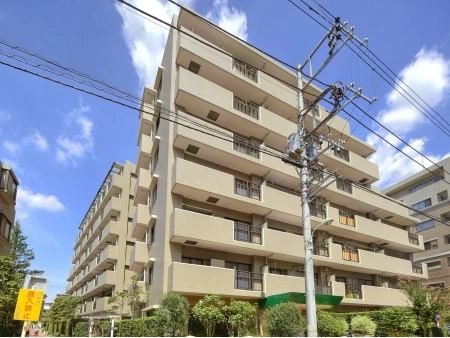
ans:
(427, 192)
(216, 213)
(8, 195)
(103, 246)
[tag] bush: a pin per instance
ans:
(399, 322)
(330, 325)
(362, 326)
(81, 329)
(139, 327)
(284, 320)
(173, 315)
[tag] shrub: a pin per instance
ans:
(399, 322)
(140, 327)
(362, 326)
(284, 320)
(81, 329)
(208, 311)
(330, 325)
(173, 315)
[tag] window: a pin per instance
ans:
(424, 184)
(344, 186)
(425, 225)
(447, 239)
(152, 234)
(154, 195)
(155, 161)
(432, 266)
(438, 286)
(150, 275)
(429, 245)
(189, 260)
(238, 266)
(422, 204)
(278, 271)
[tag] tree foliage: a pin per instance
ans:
(239, 317)
(284, 320)
(13, 269)
(426, 302)
(398, 322)
(208, 311)
(63, 310)
(173, 315)
(132, 297)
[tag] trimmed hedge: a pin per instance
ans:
(362, 326)
(329, 325)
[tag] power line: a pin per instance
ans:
(270, 153)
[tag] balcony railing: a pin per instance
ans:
(346, 218)
(246, 280)
(248, 108)
(321, 249)
(342, 154)
(247, 189)
(317, 210)
(247, 233)
(417, 267)
(323, 288)
(413, 238)
(350, 253)
(246, 147)
(353, 291)
(344, 186)
(283, 188)
(246, 70)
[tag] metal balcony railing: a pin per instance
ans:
(353, 291)
(417, 267)
(247, 233)
(342, 154)
(346, 218)
(246, 280)
(317, 210)
(321, 249)
(246, 147)
(247, 189)
(323, 288)
(246, 70)
(344, 186)
(350, 253)
(413, 238)
(248, 108)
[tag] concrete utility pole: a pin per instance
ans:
(302, 153)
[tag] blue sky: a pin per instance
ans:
(61, 142)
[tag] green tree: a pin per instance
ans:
(63, 310)
(426, 302)
(240, 317)
(284, 320)
(132, 297)
(13, 269)
(173, 315)
(208, 311)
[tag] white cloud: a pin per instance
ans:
(146, 39)
(4, 116)
(428, 75)
(37, 139)
(78, 145)
(27, 199)
(231, 19)
(13, 148)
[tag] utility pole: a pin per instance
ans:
(302, 152)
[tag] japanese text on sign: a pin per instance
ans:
(29, 304)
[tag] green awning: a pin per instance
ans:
(322, 301)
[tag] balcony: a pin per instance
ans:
(200, 279)
(106, 258)
(245, 232)
(245, 70)
(5, 230)
(350, 253)
(102, 282)
(413, 238)
(142, 221)
(147, 148)
(247, 108)
(141, 189)
(98, 306)
(245, 147)
(138, 256)
(367, 230)
(247, 189)
(8, 184)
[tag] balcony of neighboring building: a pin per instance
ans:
(8, 184)
(101, 208)
(139, 256)
(145, 183)
(148, 145)
(142, 221)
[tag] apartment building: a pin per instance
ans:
(8, 194)
(103, 246)
(217, 214)
(427, 191)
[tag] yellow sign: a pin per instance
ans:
(29, 304)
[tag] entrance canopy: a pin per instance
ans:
(322, 301)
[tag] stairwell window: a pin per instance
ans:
(428, 224)
(422, 204)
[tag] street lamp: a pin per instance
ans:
(328, 221)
